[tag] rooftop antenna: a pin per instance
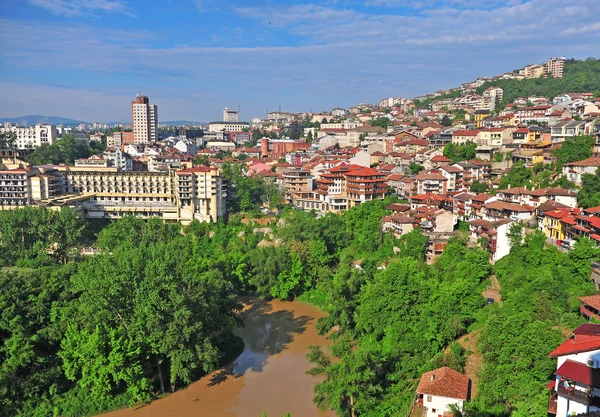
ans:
(280, 108)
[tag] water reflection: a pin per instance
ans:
(265, 333)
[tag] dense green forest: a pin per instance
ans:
(156, 308)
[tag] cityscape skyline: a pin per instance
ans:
(95, 55)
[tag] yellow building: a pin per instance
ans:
(554, 221)
(478, 117)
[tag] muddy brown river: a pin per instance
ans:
(269, 375)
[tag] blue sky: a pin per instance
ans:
(86, 59)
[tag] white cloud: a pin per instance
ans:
(335, 54)
(72, 8)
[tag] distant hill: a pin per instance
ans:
(34, 119)
(579, 77)
(180, 123)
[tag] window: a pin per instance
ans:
(429, 400)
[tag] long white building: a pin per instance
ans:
(33, 136)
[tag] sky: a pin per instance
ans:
(87, 59)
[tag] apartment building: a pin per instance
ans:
(566, 129)
(144, 120)
(227, 126)
(540, 114)
(555, 67)
(23, 186)
(114, 140)
(33, 136)
(230, 115)
(339, 188)
(431, 183)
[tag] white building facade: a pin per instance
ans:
(33, 136)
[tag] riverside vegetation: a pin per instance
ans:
(155, 309)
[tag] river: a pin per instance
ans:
(269, 375)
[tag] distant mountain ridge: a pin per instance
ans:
(33, 119)
(179, 123)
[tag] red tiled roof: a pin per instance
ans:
(578, 372)
(363, 172)
(451, 169)
(440, 158)
(585, 338)
(398, 207)
(501, 205)
(591, 300)
(401, 219)
(593, 161)
(559, 214)
(465, 132)
(444, 382)
(396, 177)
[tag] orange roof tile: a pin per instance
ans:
(444, 382)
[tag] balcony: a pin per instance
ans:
(553, 404)
(588, 313)
(581, 397)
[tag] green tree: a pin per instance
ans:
(8, 140)
(589, 195)
(414, 168)
(575, 149)
(383, 122)
(518, 176)
(479, 187)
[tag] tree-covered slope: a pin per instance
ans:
(579, 77)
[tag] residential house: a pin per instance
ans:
(566, 129)
(436, 161)
(440, 388)
(462, 205)
(539, 114)
(460, 137)
(496, 210)
(426, 200)
(496, 234)
(574, 170)
(431, 183)
(477, 203)
(395, 181)
(398, 224)
(554, 220)
(576, 385)
(454, 175)
(411, 146)
(521, 195)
